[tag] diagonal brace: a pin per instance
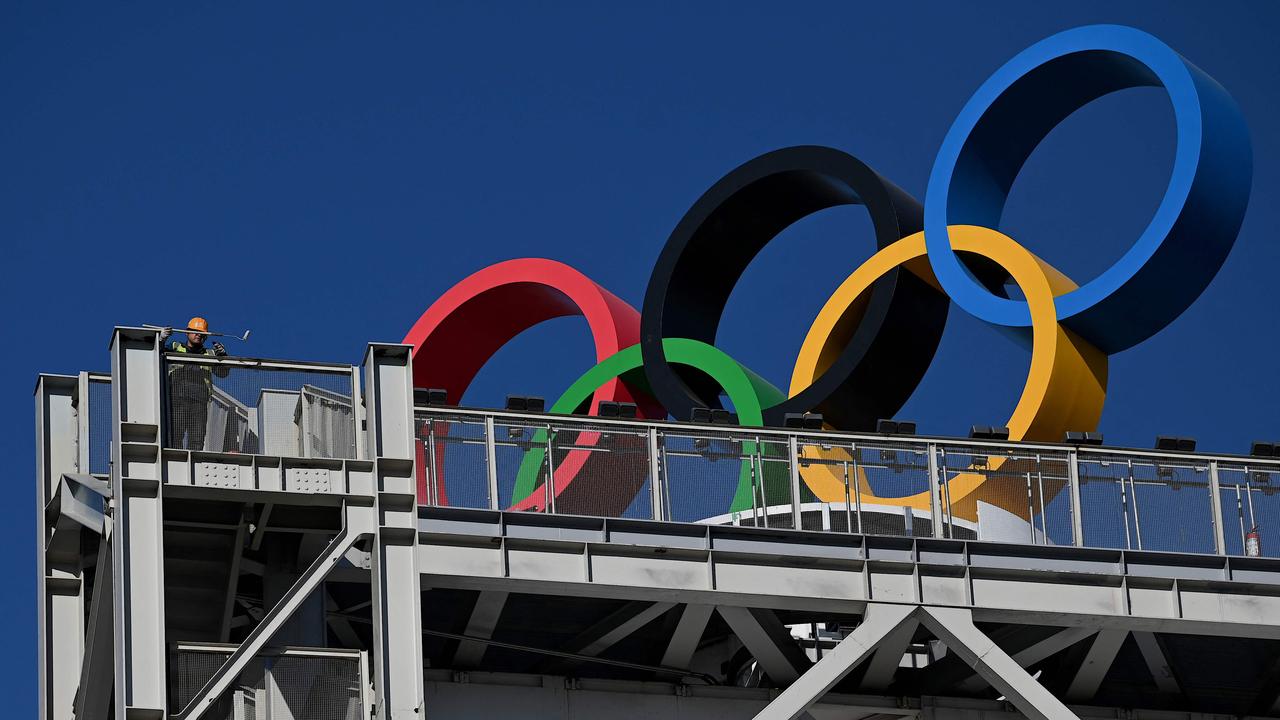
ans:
(880, 621)
(359, 524)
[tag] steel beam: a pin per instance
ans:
(955, 628)
(359, 524)
(61, 593)
(1033, 654)
(768, 641)
(878, 623)
(397, 591)
(484, 618)
(141, 690)
(1096, 664)
(93, 696)
(884, 664)
(688, 633)
(608, 631)
(1156, 661)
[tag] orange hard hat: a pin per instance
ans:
(198, 323)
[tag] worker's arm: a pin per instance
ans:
(220, 370)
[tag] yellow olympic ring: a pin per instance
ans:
(1065, 387)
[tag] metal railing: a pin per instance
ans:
(261, 407)
(1032, 493)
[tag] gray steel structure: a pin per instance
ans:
(199, 583)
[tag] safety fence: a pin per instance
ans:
(278, 684)
(837, 482)
(260, 407)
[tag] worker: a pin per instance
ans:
(191, 384)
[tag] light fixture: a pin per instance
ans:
(1176, 444)
(812, 421)
(1260, 448)
(700, 415)
(429, 396)
(1075, 437)
(793, 420)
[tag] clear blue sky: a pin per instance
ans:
(321, 173)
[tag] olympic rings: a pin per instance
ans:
(748, 392)
(875, 337)
(1193, 229)
(1066, 383)
(883, 356)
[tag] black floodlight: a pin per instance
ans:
(999, 433)
(700, 415)
(1186, 444)
(515, 432)
(793, 420)
(533, 403)
(1075, 437)
(906, 427)
(627, 410)
(720, 416)
(980, 432)
(1260, 448)
(607, 409)
(429, 396)
(517, 403)
(887, 427)
(812, 421)
(1166, 442)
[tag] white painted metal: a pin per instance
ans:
(1157, 663)
(138, 552)
(61, 589)
(768, 640)
(1096, 664)
(688, 632)
(888, 657)
(1055, 643)
(878, 622)
(954, 626)
(397, 594)
(484, 618)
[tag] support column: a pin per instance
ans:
(60, 615)
(397, 590)
(138, 538)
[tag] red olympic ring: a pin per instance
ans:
(461, 330)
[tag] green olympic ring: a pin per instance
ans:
(748, 392)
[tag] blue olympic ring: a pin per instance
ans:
(1193, 229)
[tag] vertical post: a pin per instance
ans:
(397, 592)
(655, 475)
(60, 614)
(1077, 512)
(1215, 502)
(137, 557)
(935, 490)
(793, 462)
(550, 487)
(358, 415)
(491, 462)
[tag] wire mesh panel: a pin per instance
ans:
(452, 460)
(829, 488)
(267, 410)
(1250, 498)
(313, 688)
(99, 426)
(1007, 495)
(521, 453)
(284, 685)
(893, 480)
(601, 470)
(1146, 503)
(711, 477)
